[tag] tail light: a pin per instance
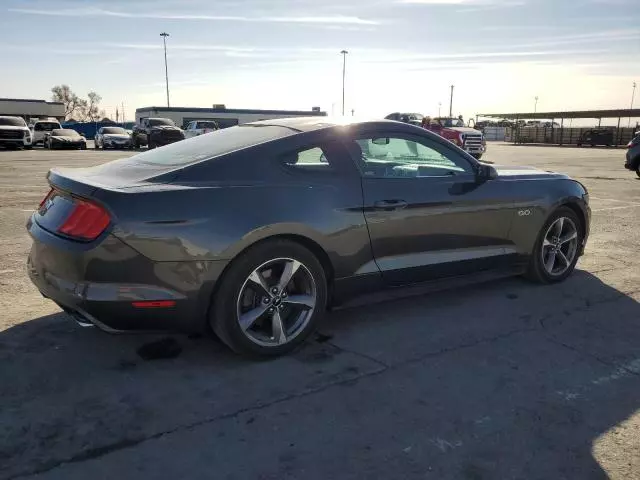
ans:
(86, 221)
(44, 200)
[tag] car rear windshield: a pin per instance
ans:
(46, 126)
(12, 122)
(114, 130)
(213, 125)
(213, 145)
(160, 121)
(64, 132)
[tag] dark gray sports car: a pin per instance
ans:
(253, 231)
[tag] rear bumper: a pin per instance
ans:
(102, 284)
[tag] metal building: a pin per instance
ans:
(224, 117)
(31, 109)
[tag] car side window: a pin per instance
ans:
(392, 157)
(314, 159)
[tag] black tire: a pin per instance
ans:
(83, 146)
(638, 171)
(477, 156)
(95, 145)
(536, 271)
(27, 147)
(150, 143)
(223, 316)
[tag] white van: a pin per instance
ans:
(42, 127)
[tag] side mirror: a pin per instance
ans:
(486, 172)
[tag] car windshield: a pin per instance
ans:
(451, 122)
(46, 126)
(114, 130)
(64, 132)
(12, 122)
(160, 121)
(206, 125)
(220, 142)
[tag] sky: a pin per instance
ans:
(285, 54)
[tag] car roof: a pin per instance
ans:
(308, 124)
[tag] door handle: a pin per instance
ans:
(390, 204)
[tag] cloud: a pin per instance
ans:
(95, 12)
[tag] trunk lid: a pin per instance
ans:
(95, 186)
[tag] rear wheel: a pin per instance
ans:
(556, 251)
(270, 300)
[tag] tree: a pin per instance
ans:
(72, 103)
(92, 112)
(76, 108)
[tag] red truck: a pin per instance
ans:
(453, 129)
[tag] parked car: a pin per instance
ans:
(41, 128)
(200, 127)
(633, 154)
(156, 132)
(112, 137)
(254, 230)
(596, 136)
(64, 138)
(410, 118)
(14, 133)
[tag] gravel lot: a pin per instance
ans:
(505, 380)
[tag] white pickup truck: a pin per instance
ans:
(200, 127)
(14, 133)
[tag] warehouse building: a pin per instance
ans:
(224, 117)
(31, 109)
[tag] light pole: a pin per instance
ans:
(344, 70)
(164, 36)
(451, 103)
(535, 105)
(439, 106)
(633, 94)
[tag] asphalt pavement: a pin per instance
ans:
(504, 380)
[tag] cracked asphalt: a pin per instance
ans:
(502, 380)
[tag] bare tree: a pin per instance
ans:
(72, 103)
(76, 108)
(92, 112)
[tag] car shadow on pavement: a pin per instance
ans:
(501, 380)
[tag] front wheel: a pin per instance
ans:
(556, 252)
(270, 300)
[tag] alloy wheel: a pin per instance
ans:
(560, 246)
(276, 302)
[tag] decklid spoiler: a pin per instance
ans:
(117, 176)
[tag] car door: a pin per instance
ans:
(428, 214)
